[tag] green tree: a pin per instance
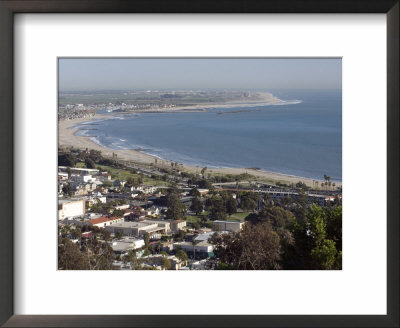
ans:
(99, 254)
(131, 257)
(247, 203)
(89, 163)
(166, 264)
(181, 254)
(107, 184)
(204, 184)
(217, 208)
(255, 247)
(69, 171)
(334, 225)
(76, 233)
(277, 216)
(194, 243)
(130, 182)
(158, 247)
(117, 213)
(95, 155)
(69, 256)
(317, 225)
(302, 206)
(324, 252)
(175, 207)
(194, 192)
(146, 252)
(301, 185)
(230, 205)
(196, 206)
(67, 189)
(146, 238)
(67, 159)
(325, 255)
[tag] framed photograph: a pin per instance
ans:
(199, 164)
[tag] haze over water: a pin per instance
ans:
(303, 139)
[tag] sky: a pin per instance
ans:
(86, 74)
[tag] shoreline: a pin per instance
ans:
(67, 138)
(203, 107)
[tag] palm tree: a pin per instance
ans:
(69, 172)
(194, 242)
(326, 180)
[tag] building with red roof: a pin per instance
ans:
(104, 221)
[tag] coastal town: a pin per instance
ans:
(86, 104)
(115, 214)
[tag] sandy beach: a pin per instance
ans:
(67, 138)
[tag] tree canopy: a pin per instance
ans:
(255, 247)
(89, 163)
(67, 159)
(175, 207)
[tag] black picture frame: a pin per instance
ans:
(10, 7)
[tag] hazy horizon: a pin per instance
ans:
(139, 74)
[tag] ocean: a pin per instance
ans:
(301, 138)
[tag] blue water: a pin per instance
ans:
(303, 139)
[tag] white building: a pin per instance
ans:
(227, 226)
(200, 250)
(96, 200)
(177, 225)
(199, 265)
(152, 211)
(122, 207)
(204, 236)
(165, 225)
(105, 176)
(146, 189)
(124, 245)
(134, 229)
(62, 176)
(77, 170)
(82, 178)
(70, 208)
